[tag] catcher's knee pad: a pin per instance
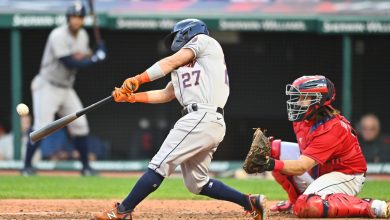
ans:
(334, 205)
(287, 184)
(310, 205)
(275, 148)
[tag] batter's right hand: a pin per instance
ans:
(130, 85)
(98, 56)
(120, 96)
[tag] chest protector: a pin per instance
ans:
(306, 131)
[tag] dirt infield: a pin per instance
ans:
(148, 209)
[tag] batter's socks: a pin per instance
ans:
(148, 183)
(31, 148)
(80, 143)
(218, 190)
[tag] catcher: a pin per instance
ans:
(325, 170)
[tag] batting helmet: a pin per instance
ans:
(184, 31)
(76, 9)
(308, 93)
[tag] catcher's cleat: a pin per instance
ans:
(380, 209)
(258, 206)
(282, 206)
(114, 213)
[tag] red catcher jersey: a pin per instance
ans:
(332, 144)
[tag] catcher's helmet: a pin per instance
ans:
(184, 31)
(308, 93)
(76, 9)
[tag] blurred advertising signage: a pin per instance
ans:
(355, 27)
(42, 20)
(144, 23)
(263, 25)
(323, 25)
(37, 20)
(217, 24)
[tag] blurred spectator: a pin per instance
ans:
(375, 146)
(98, 148)
(7, 140)
(6, 143)
(161, 130)
(58, 146)
(142, 140)
(147, 137)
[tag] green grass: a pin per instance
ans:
(43, 187)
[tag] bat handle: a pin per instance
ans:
(93, 106)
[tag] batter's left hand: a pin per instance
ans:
(120, 96)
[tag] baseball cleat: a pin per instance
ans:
(282, 206)
(89, 172)
(258, 206)
(28, 171)
(380, 209)
(114, 213)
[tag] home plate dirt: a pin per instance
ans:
(148, 209)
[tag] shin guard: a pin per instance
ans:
(287, 184)
(334, 205)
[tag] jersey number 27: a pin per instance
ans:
(187, 77)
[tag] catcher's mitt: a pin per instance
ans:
(257, 160)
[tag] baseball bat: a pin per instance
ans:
(96, 29)
(62, 122)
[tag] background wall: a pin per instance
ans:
(259, 66)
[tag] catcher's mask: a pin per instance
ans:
(184, 31)
(308, 94)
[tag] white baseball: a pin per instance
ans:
(22, 109)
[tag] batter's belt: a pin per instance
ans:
(201, 107)
(54, 83)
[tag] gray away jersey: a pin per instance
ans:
(206, 80)
(62, 43)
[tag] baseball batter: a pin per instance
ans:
(67, 50)
(199, 81)
(325, 170)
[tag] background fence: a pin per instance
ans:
(260, 64)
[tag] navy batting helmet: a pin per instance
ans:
(184, 31)
(76, 9)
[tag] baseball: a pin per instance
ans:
(22, 109)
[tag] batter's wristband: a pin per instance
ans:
(141, 97)
(142, 78)
(278, 165)
(155, 72)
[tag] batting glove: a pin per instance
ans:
(120, 96)
(98, 56)
(130, 85)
